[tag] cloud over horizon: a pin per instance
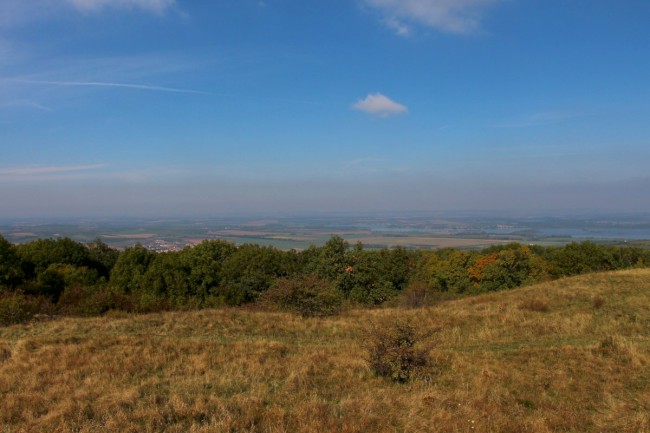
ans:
(379, 105)
(449, 16)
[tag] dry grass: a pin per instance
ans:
(572, 366)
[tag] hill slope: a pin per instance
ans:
(571, 355)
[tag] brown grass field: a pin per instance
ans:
(566, 356)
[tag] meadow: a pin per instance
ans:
(569, 355)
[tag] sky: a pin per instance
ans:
(208, 108)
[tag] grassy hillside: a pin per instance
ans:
(569, 356)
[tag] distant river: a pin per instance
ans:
(577, 233)
(606, 233)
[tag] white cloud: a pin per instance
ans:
(379, 105)
(155, 6)
(450, 16)
(399, 27)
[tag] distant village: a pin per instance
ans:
(162, 246)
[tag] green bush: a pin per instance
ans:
(396, 351)
(373, 293)
(147, 302)
(309, 297)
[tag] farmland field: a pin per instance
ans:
(417, 232)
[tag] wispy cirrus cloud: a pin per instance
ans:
(369, 166)
(449, 16)
(541, 119)
(154, 6)
(108, 173)
(109, 84)
(47, 87)
(377, 104)
(24, 103)
(15, 13)
(38, 171)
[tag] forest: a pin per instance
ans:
(54, 277)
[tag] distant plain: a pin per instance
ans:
(375, 231)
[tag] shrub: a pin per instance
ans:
(18, 308)
(395, 351)
(5, 352)
(149, 303)
(373, 293)
(309, 297)
(536, 305)
(418, 295)
(91, 301)
(614, 347)
(598, 302)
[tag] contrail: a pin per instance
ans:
(121, 85)
(38, 170)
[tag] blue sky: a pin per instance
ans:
(187, 107)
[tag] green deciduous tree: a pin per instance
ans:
(39, 254)
(251, 270)
(331, 260)
(102, 257)
(307, 296)
(448, 270)
(508, 268)
(205, 262)
(127, 276)
(11, 272)
(579, 258)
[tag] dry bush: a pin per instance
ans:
(18, 308)
(91, 301)
(395, 350)
(417, 295)
(598, 302)
(5, 353)
(536, 305)
(614, 347)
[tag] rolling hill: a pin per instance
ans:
(569, 355)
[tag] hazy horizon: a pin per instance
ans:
(145, 108)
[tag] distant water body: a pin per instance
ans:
(613, 233)
(608, 233)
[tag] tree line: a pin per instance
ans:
(61, 276)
